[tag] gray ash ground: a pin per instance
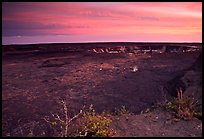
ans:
(32, 86)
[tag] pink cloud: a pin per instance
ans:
(104, 19)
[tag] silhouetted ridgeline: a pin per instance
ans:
(80, 47)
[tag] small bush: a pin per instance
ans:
(182, 106)
(86, 124)
(96, 124)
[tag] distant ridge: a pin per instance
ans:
(193, 43)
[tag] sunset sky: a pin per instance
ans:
(50, 22)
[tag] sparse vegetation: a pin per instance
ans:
(96, 124)
(61, 123)
(87, 124)
(80, 80)
(122, 111)
(182, 105)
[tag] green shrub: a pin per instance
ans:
(96, 124)
(86, 124)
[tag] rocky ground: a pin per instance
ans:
(32, 86)
(156, 123)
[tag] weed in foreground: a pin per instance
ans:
(85, 123)
(182, 105)
(96, 125)
(122, 111)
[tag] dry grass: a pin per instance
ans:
(183, 106)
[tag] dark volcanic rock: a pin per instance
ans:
(190, 81)
(198, 64)
(52, 63)
(34, 83)
(174, 84)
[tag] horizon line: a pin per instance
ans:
(102, 42)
